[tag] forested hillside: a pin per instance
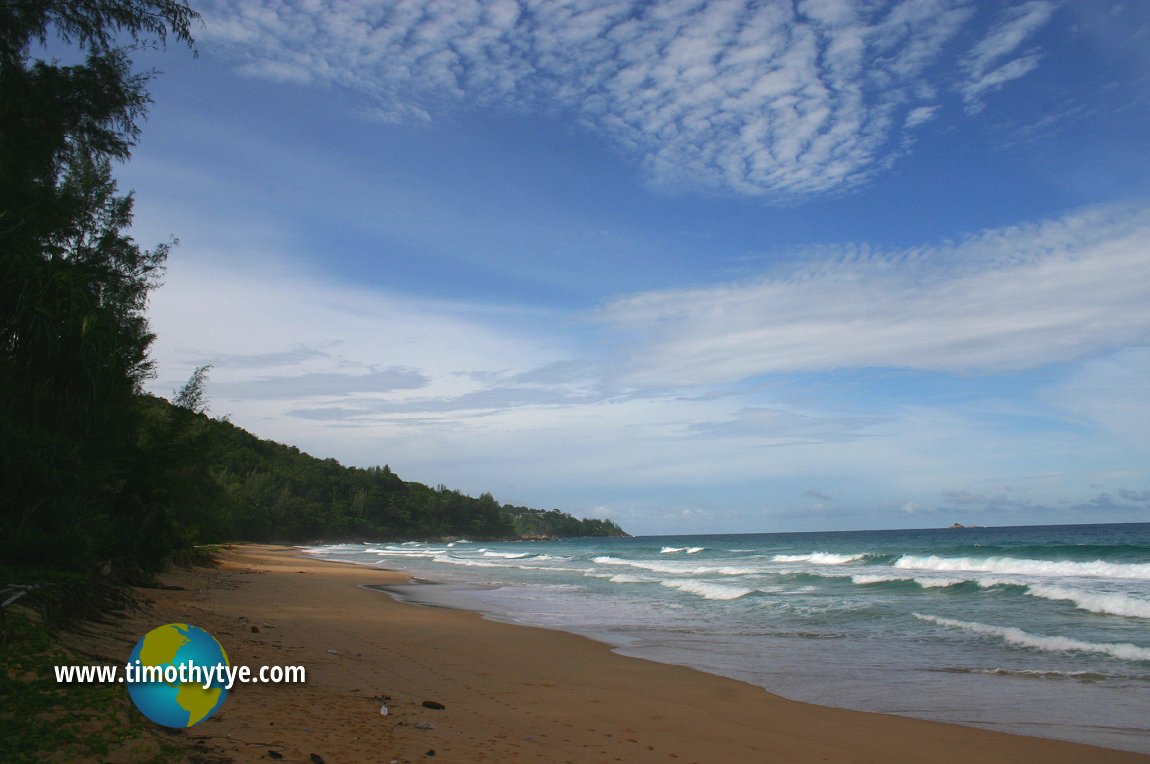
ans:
(239, 486)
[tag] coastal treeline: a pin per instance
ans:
(73, 284)
(231, 484)
(94, 474)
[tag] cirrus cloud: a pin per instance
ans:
(1004, 300)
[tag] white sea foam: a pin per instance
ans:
(819, 558)
(926, 582)
(467, 562)
(863, 579)
(1008, 565)
(397, 552)
(937, 582)
(1014, 636)
(1109, 603)
(707, 590)
(627, 578)
(676, 568)
(325, 549)
(506, 555)
(676, 549)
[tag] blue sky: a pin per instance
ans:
(696, 267)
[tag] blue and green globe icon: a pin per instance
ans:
(178, 698)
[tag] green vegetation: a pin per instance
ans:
(46, 721)
(223, 483)
(538, 523)
(73, 284)
(97, 476)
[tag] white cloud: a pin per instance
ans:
(1111, 394)
(1004, 300)
(985, 66)
(920, 116)
(521, 404)
(485, 399)
(757, 98)
(280, 336)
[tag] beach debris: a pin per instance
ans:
(383, 711)
(333, 652)
(424, 726)
(275, 755)
(255, 629)
(430, 752)
(434, 704)
(316, 758)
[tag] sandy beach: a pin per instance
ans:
(509, 693)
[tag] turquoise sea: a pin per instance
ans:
(1040, 630)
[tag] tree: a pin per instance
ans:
(73, 285)
(192, 395)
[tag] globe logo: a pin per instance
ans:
(172, 675)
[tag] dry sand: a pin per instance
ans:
(511, 693)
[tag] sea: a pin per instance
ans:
(1037, 630)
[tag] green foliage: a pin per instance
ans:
(538, 523)
(192, 396)
(222, 483)
(44, 720)
(73, 285)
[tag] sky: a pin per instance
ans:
(692, 266)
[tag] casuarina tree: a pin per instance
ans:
(74, 339)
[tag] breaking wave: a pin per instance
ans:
(708, 590)
(819, 558)
(684, 569)
(1013, 565)
(1107, 603)
(1014, 636)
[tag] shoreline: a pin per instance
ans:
(512, 692)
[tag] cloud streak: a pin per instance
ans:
(324, 384)
(989, 65)
(1005, 300)
(776, 99)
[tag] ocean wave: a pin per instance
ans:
(467, 562)
(507, 555)
(1021, 566)
(496, 563)
(673, 568)
(627, 578)
(396, 552)
(819, 558)
(1080, 676)
(325, 548)
(676, 549)
(926, 582)
(1015, 636)
(708, 590)
(1108, 603)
